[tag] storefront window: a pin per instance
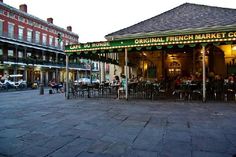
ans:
(20, 54)
(28, 54)
(50, 59)
(10, 53)
(1, 52)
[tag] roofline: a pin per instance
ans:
(38, 19)
(172, 32)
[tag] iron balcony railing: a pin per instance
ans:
(33, 61)
(31, 41)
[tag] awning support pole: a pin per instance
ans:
(67, 77)
(203, 74)
(126, 73)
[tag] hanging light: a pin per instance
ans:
(234, 47)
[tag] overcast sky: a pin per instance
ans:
(93, 19)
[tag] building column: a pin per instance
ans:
(54, 74)
(57, 75)
(194, 61)
(42, 54)
(46, 76)
(15, 66)
(14, 72)
(203, 74)
(25, 77)
(67, 77)
(103, 72)
(126, 73)
(77, 75)
(41, 76)
(57, 70)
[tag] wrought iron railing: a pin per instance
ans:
(31, 40)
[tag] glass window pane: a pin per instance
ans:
(10, 53)
(20, 54)
(56, 42)
(28, 54)
(62, 45)
(44, 39)
(37, 37)
(20, 33)
(50, 40)
(10, 30)
(29, 35)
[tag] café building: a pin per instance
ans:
(190, 40)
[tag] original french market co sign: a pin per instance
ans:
(154, 41)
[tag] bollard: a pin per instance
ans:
(41, 89)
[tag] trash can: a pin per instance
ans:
(41, 89)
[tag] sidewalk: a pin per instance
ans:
(33, 125)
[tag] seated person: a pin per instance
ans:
(55, 85)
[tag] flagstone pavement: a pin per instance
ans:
(33, 125)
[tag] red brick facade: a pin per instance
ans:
(46, 59)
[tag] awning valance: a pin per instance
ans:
(158, 42)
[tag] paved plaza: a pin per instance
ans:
(33, 125)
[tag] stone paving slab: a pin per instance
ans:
(33, 125)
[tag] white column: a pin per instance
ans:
(67, 77)
(25, 75)
(102, 67)
(54, 75)
(15, 72)
(41, 76)
(203, 75)
(57, 70)
(57, 75)
(126, 74)
(46, 77)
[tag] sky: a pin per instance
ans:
(93, 19)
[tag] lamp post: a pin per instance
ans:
(67, 77)
(203, 74)
(91, 76)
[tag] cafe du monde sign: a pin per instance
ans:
(154, 41)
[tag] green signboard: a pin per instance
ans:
(179, 40)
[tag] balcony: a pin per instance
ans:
(79, 65)
(30, 41)
(40, 62)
